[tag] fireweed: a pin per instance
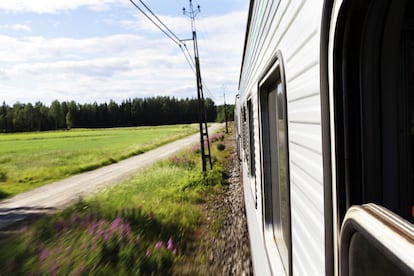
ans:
(94, 245)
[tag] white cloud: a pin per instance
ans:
(53, 6)
(178, 25)
(94, 68)
(120, 66)
(16, 27)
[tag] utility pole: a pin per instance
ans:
(202, 116)
(225, 113)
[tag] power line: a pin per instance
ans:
(192, 61)
(171, 35)
(208, 91)
(178, 42)
(192, 67)
(189, 60)
(159, 20)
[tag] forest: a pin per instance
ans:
(24, 117)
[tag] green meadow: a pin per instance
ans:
(29, 160)
(145, 225)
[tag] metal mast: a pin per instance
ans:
(202, 116)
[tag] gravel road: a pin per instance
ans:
(55, 196)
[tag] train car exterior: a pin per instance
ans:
(325, 132)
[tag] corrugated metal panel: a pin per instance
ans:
(306, 134)
(305, 111)
(304, 115)
(293, 28)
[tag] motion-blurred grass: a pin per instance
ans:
(29, 160)
(142, 226)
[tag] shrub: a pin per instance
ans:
(221, 146)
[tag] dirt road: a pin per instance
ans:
(55, 196)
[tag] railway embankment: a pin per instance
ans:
(229, 249)
(221, 246)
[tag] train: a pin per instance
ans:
(324, 120)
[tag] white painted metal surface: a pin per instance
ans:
(292, 27)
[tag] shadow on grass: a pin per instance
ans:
(12, 218)
(3, 195)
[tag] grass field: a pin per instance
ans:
(29, 160)
(142, 226)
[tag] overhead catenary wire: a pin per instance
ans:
(189, 60)
(172, 36)
(159, 20)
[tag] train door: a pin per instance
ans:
(371, 70)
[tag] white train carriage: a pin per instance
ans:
(325, 121)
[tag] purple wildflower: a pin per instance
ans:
(159, 244)
(92, 228)
(44, 254)
(148, 253)
(126, 230)
(170, 244)
(195, 149)
(106, 237)
(115, 223)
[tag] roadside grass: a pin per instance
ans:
(142, 226)
(29, 160)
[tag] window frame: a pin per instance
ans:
(386, 232)
(278, 239)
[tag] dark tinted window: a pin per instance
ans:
(366, 259)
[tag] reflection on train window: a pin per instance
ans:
(365, 258)
(275, 161)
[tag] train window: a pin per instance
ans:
(365, 258)
(275, 169)
(374, 241)
(251, 138)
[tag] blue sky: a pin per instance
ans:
(98, 50)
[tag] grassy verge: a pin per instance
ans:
(29, 160)
(142, 226)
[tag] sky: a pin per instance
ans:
(101, 50)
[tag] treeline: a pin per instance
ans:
(222, 111)
(132, 112)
